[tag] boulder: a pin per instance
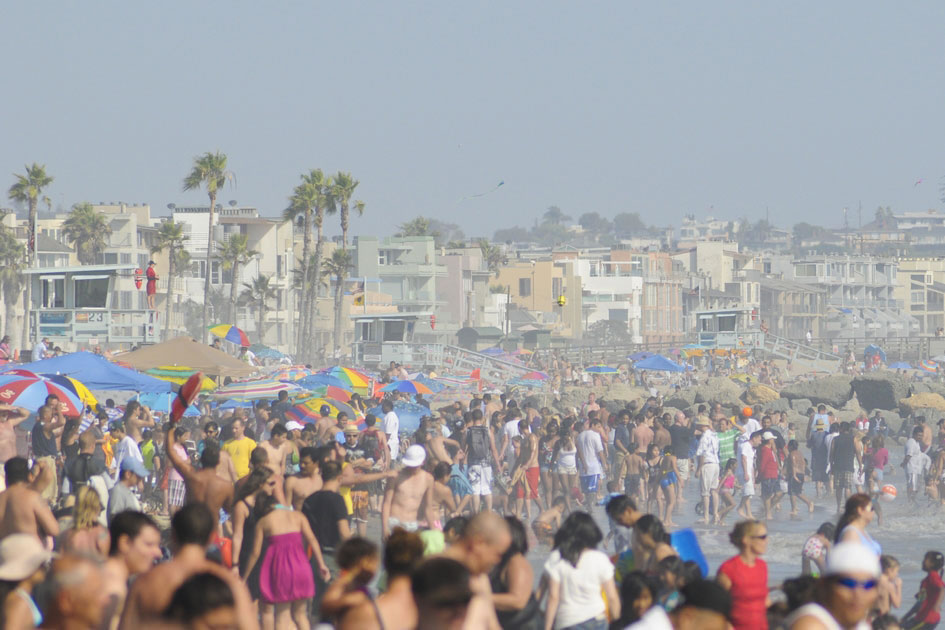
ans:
(917, 403)
(880, 390)
(681, 399)
(759, 395)
(718, 389)
(831, 390)
(781, 404)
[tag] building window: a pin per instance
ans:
(918, 297)
(110, 258)
(524, 287)
(125, 258)
(214, 272)
(91, 292)
(805, 271)
(557, 287)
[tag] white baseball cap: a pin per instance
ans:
(415, 456)
(848, 557)
(767, 435)
(294, 425)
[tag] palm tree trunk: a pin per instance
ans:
(206, 282)
(339, 296)
(315, 275)
(233, 285)
(344, 226)
(304, 321)
(30, 260)
(262, 318)
(170, 291)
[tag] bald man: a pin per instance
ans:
(480, 548)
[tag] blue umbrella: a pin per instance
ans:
(639, 356)
(434, 385)
(493, 351)
(601, 369)
(408, 413)
(320, 380)
(660, 364)
(900, 365)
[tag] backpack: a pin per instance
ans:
(371, 444)
(477, 444)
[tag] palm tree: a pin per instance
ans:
(171, 237)
(555, 215)
(419, 226)
(12, 255)
(492, 255)
(209, 171)
(88, 230)
(234, 254)
(28, 189)
(309, 202)
(256, 294)
(342, 192)
(337, 267)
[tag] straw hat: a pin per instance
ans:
(20, 556)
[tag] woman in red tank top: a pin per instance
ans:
(746, 576)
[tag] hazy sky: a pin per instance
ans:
(661, 108)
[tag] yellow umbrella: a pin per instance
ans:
(179, 375)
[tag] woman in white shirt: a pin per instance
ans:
(576, 574)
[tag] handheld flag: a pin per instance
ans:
(186, 396)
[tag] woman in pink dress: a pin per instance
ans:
(285, 577)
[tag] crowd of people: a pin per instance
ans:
(246, 518)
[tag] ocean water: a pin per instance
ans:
(906, 533)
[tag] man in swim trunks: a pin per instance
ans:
(411, 489)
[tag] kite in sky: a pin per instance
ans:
(483, 194)
(917, 182)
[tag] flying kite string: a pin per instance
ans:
(483, 194)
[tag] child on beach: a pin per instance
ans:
(548, 521)
(925, 614)
(444, 505)
(633, 475)
(358, 561)
(889, 592)
(726, 490)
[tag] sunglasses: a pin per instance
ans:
(851, 584)
(761, 537)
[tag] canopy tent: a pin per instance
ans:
(660, 364)
(96, 372)
(189, 352)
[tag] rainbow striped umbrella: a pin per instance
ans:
(330, 391)
(535, 376)
(76, 387)
(254, 390)
(348, 376)
(410, 387)
(928, 366)
(309, 409)
(231, 333)
(291, 373)
(30, 393)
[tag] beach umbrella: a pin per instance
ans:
(348, 376)
(434, 384)
(255, 390)
(494, 351)
(928, 366)
(521, 352)
(330, 391)
(900, 365)
(601, 369)
(291, 373)
(872, 349)
(228, 332)
(660, 364)
(95, 372)
(30, 393)
(410, 387)
(235, 403)
(308, 410)
(527, 382)
(535, 376)
(316, 381)
(639, 356)
(178, 375)
(73, 385)
(265, 352)
(162, 401)
(409, 415)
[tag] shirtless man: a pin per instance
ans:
(307, 482)
(191, 530)
(10, 418)
(22, 508)
(437, 445)
(405, 495)
(527, 468)
(278, 447)
(325, 426)
(134, 548)
(490, 405)
(484, 541)
(141, 419)
(204, 485)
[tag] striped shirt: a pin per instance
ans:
(727, 444)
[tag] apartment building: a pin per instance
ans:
(921, 290)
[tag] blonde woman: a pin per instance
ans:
(87, 534)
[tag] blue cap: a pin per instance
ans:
(132, 464)
(325, 410)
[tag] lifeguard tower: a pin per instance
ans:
(81, 306)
